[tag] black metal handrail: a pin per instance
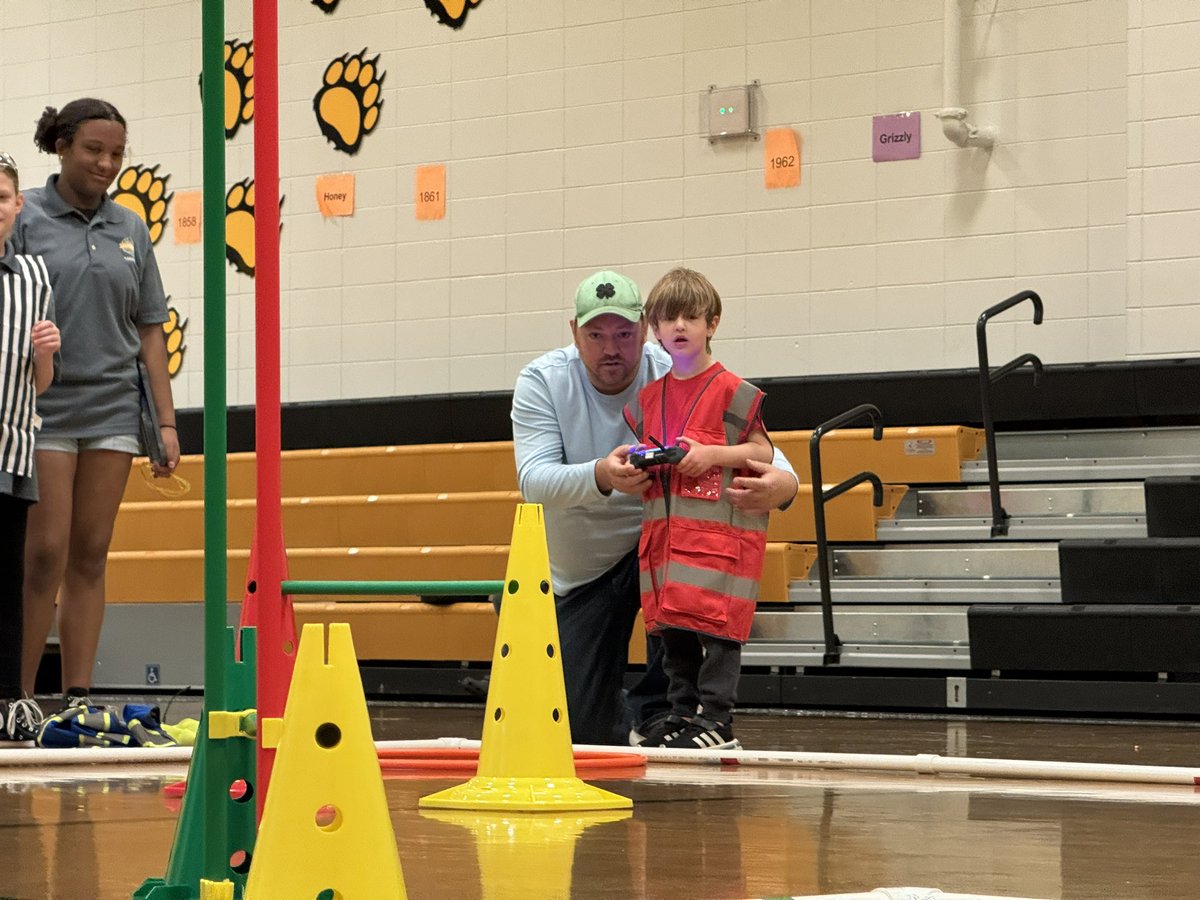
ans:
(986, 379)
(833, 644)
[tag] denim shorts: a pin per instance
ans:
(122, 443)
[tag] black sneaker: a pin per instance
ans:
(20, 720)
(701, 734)
(658, 730)
(76, 696)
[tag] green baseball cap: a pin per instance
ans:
(607, 292)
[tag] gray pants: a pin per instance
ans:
(703, 672)
(595, 622)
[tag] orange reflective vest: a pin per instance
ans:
(700, 558)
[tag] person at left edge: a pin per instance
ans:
(27, 353)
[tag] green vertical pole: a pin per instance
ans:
(208, 828)
(215, 793)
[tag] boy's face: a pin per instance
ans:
(685, 336)
(10, 204)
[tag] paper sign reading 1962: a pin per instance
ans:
(335, 194)
(431, 192)
(187, 216)
(896, 137)
(781, 158)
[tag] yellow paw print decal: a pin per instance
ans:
(239, 85)
(144, 191)
(451, 12)
(173, 330)
(239, 226)
(348, 103)
(326, 5)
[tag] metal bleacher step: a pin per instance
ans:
(945, 574)
(1037, 512)
(903, 606)
(1091, 455)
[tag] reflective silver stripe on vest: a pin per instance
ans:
(718, 582)
(737, 416)
(705, 511)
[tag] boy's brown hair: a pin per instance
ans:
(683, 292)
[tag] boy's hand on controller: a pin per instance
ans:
(699, 458)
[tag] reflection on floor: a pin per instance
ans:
(701, 831)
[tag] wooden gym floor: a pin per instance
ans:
(96, 832)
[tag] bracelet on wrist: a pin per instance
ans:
(165, 425)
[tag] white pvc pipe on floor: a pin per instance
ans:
(903, 893)
(920, 764)
(86, 756)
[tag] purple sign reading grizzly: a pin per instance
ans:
(896, 137)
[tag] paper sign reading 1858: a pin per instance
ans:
(187, 216)
(431, 192)
(335, 194)
(781, 158)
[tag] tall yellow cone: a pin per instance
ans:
(525, 760)
(326, 829)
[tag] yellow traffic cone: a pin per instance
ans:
(326, 829)
(525, 759)
(525, 854)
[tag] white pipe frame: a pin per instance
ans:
(953, 116)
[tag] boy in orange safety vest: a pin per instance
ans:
(700, 558)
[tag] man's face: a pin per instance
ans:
(611, 349)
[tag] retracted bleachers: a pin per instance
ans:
(1128, 607)
(431, 512)
(1047, 615)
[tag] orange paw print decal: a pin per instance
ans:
(173, 333)
(326, 5)
(348, 103)
(144, 191)
(451, 12)
(239, 85)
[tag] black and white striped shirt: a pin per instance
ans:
(24, 300)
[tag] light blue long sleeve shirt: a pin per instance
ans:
(561, 426)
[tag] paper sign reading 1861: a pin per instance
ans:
(896, 137)
(335, 194)
(187, 216)
(781, 158)
(431, 192)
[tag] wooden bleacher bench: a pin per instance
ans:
(405, 469)
(917, 455)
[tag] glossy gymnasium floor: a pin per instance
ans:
(88, 832)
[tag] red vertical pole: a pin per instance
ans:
(276, 631)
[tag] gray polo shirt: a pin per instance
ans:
(106, 284)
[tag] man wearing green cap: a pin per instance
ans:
(572, 455)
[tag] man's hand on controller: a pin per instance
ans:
(615, 473)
